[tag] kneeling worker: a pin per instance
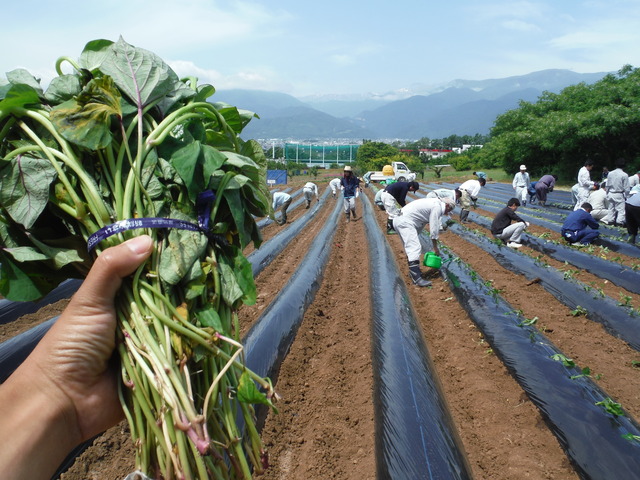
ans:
(574, 229)
(502, 228)
(410, 223)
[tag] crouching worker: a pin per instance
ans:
(413, 218)
(508, 232)
(575, 229)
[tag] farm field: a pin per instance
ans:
(326, 427)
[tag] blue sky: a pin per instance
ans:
(332, 47)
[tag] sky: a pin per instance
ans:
(346, 47)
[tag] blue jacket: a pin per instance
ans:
(579, 220)
(349, 185)
(398, 191)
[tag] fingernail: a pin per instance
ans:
(139, 245)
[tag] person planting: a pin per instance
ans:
(119, 148)
(469, 192)
(508, 232)
(415, 215)
(545, 186)
(310, 190)
(394, 195)
(575, 228)
(281, 199)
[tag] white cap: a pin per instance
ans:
(347, 168)
(523, 167)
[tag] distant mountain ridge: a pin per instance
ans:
(462, 107)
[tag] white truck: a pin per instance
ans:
(396, 172)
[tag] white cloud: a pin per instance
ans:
(520, 26)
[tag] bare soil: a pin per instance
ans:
(325, 428)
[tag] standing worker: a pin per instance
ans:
(585, 184)
(350, 187)
(617, 188)
(502, 228)
(415, 215)
(335, 186)
(575, 227)
(281, 199)
(544, 186)
(521, 183)
(469, 192)
(396, 192)
(309, 190)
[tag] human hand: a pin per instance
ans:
(66, 391)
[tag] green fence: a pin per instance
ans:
(320, 155)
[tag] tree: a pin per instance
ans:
(371, 154)
(558, 132)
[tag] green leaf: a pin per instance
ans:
(86, 120)
(208, 317)
(22, 76)
(567, 362)
(61, 257)
(94, 54)
(141, 75)
(231, 290)
(17, 98)
(249, 393)
(183, 248)
(16, 285)
(62, 88)
(24, 188)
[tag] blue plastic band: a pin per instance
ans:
(203, 206)
(122, 225)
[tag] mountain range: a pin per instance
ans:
(459, 107)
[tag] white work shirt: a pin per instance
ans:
(310, 186)
(618, 182)
(335, 184)
(442, 193)
(422, 211)
(584, 178)
(634, 180)
(598, 199)
(472, 187)
(279, 198)
(521, 179)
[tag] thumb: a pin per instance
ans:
(112, 266)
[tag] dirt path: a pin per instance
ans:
(325, 428)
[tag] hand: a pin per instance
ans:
(66, 391)
(527, 224)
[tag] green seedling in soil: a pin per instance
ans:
(611, 407)
(635, 266)
(625, 300)
(579, 311)
(631, 437)
(567, 362)
(569, 274)
(586, 372)
(532, 336)
(545, 235)
(528, 321)
(489, 351)
(635, 363)
(617, 259)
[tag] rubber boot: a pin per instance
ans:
(632, 239)
(348, 217)
(416, 274)
(353, 211)
(464, 214)
(308, 204)
(390, 229)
